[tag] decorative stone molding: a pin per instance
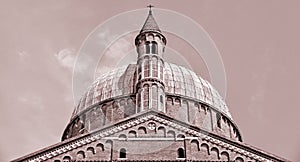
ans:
(87, 139)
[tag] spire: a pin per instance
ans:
(150, 23)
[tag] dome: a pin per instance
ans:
(179, 81)
(113, 98)
(151, 85)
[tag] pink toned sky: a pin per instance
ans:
(258, 42)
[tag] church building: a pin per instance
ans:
(151, 111)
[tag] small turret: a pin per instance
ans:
(150, 87)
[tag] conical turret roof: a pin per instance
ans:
(150, 24)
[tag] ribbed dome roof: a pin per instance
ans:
(178, 81)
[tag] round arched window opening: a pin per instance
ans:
(154, 48)
(122, 153)
(147, 47)
(181, 153)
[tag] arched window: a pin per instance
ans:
(195, 145)
(180, 136)
(99, 147)
(177, 101)
(122, 153)
(239, 159)
(146, 97)
(161, 69)
(215, 152)
(219, 120)
(146, 67)
(161, 131)
(91, 150)
(225, 156)
(132, 133)
(171, 134)
(154, 96)
(154, 67)
(161, 99)
(181, 153)
(205, 148)
(139, 100)
(154, 48)
(147, 47)
(142, 130)
(67, 159)
(122, 136)
(80, 155)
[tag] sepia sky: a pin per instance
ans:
(258, 42)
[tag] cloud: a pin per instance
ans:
(115, 54)
(119, 48)
(22, 53)
(33, 100)
(66, 58)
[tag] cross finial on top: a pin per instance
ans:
(150, 6)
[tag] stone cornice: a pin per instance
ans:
(82, 140)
